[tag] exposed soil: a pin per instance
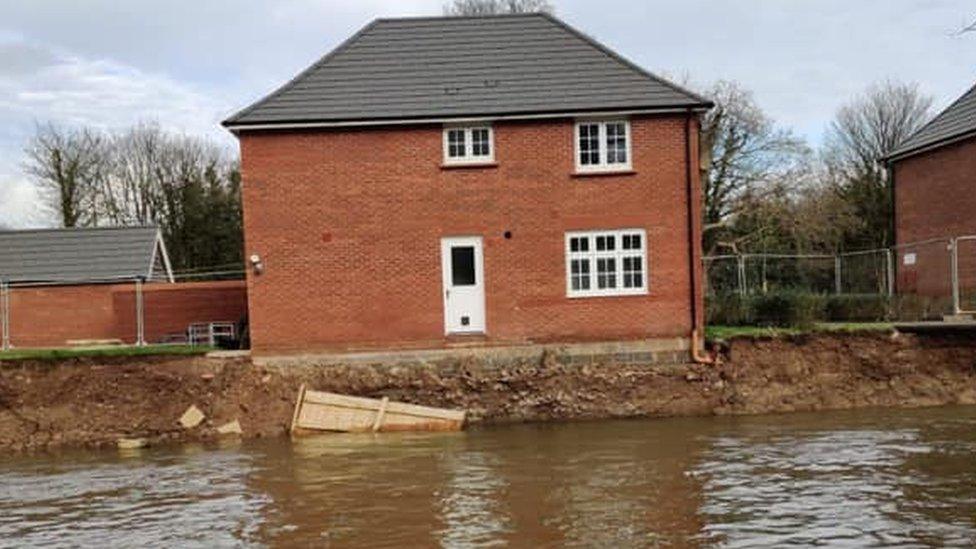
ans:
(94, 402)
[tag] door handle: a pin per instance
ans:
(447, 294)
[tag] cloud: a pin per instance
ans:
(40, 83)
(19, 204)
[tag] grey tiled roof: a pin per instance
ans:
(443, 67)
(957, 120)
(73, 255)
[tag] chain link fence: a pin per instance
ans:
(199, 308)
(926, 279)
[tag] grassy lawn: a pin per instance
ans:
(121, 350)
(726, 332)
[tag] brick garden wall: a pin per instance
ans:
(50, 316)
(349, 222)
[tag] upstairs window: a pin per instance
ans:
(602, 145)
(606, 263)
(468, 145)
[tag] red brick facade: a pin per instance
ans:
(935, 197)
(51, 316)
(348, 224)
(935, 193)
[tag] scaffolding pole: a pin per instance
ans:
(741, 273)
(838, 286)
(140, 326)
(954, 267)
(5, 316)
(890, 272)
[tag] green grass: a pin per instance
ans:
(115, 351)
(726, 332)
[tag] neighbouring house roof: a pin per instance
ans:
(957, 121)
(435, 68)
(80, 255)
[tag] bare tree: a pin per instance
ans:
(68, 166)
(967, 28)
(747, 152)
(863, 131)
(144, 175)
(187, 186)
(495, 7)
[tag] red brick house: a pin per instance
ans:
(486, 180)
(933, 177)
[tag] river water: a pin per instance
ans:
(855, 478)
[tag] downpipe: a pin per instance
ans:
(698, 353)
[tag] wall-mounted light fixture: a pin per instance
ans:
(257, 264)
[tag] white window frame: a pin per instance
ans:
(618, 254)
(602, 166)
(469, 157)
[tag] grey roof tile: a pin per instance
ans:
(71, 255)
(957, 120)
(443, 67)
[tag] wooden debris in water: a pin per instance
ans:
(232, 428)
(191, 417)
(321, 411)
(131, 443)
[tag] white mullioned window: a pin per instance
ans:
(468, 144)
(606, 263)
(602, 145)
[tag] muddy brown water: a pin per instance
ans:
(855, 478)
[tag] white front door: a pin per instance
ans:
(462, 263)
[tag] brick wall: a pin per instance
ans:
(935, 194)
(349, 222)
(935, 198)
(50, 316)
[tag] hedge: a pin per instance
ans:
(798, 309)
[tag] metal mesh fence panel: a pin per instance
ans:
(924, 279)
(721, 274)
(768, 273)
(181, 312)
(46, 315)
(966, 273)
(104, 313)
(864, 272)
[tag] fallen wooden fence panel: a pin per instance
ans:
(321, 411)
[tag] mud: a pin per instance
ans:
(95, 402)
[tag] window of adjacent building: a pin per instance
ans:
(468, 144)
(606, 263)
(602, 145)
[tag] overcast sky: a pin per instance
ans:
(187, 64)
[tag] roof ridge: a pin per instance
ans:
(637, 87)
(456, 17)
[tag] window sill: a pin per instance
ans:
(604, 173)
(634, 293)
(469, 165)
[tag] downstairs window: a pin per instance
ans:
(606, 263)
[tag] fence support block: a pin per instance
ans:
(4, 315)
(140, 326)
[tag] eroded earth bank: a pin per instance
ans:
(95, 402)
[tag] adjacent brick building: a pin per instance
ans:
(470, 180)
(934, 174)
(934, 181)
